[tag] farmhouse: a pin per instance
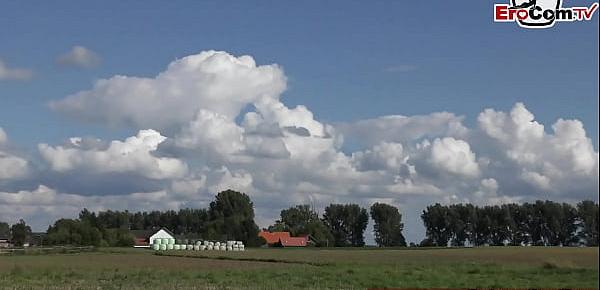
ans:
(5, 241)
(284, 239)
(145, 238)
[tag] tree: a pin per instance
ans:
(231, 217)
(463, 218)
(568, 225)
(501, 224)
(520, 233)
(588, 215)
(118, 237)
(90, 217)
(333, 217)
(437, 224)
(540, 223)
(20, 232)
(388, 225)
(302, 220)
(278, 226)
(347, 224)
(4, 229)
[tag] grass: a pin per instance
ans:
(305, 268)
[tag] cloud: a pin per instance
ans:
(18, 74)
(3, 137)
(134, 155)
(453, 156)
(11, 166)
(562, 161)
(398, 128)
(42, 204)
(384, 156)
(213, 81)
(213, 121)
(79, 56)
(212, 134)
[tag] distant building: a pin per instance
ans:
(5, 241)
(284, 239)
(145, 238)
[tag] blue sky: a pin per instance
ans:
(346, 61)
(341, 58)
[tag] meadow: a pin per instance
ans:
(339, 268)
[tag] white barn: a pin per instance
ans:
(145, 238)
(161, 234)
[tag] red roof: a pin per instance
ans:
(140, 242)
(293, 242)
(273, 237)
(283, 238)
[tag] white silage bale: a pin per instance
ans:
(209, 248)
(218, 244)
(229, 248)
(196, 248)
(202, 247)
(163, 247)
(169, 246)
(236, 249)
(190, 247)
(223, 248)
(176, 247)
(211, 244)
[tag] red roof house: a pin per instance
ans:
(273, 237)
(293, 242)
(283, 239)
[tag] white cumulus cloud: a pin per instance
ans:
(454, 156)
(11, 166)
(213, 81)
(564, 160)
(133, 155)
(8, 73)
(79, 56)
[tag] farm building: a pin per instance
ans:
(145, 238)
(5, 241)
(284, 239)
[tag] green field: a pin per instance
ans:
(521, 267)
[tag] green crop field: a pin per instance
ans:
(521, 267)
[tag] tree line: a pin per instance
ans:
(542, 223)
(231, 217)
(343, 225)
(18, 232)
